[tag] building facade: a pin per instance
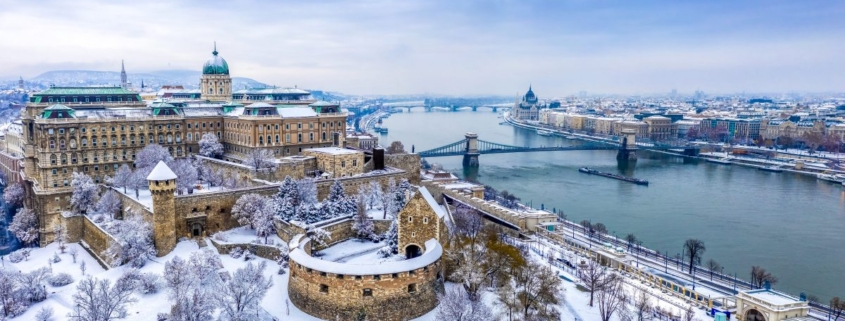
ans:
(95, 130)
(529, 108)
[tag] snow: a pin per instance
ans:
(431, 202)
(296, 112)
(161, 173)
(333, 150)
(378, 214)
(244, 235)
(431, 255)
(771, 297)
(347, 250)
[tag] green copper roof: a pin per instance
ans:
(216, 65)
(85, 91)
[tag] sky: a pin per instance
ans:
(450, 47)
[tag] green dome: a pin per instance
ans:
(216, 65)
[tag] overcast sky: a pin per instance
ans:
(446, 47)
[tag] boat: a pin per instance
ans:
(569, 137)
(380, 130)
(835, 178)
(771, 168)
(544, 132)
(721, 161)
(634, 180)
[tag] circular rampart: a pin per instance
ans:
(387, 291)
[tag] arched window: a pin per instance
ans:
(260, 140)
(53, 159)
(104, 140)
(73, 143)
(221, 91)
(62, 144)
(169, 138)
(73, 158)
(64, 159)
(268, 140)
(84, 142)
(210, 91)
(160, 138)
(190, 137)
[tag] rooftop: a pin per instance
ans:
(86, 91)
(333, 150)
(772, 297)
(161, 173)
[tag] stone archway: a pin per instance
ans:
(196, 230)
(754, 315)
(412, 251)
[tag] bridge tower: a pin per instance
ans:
(628, 148)
(471, 150)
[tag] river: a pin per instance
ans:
(792, 225)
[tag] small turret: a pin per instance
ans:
(162, 183)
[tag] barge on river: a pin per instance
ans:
(613, 176)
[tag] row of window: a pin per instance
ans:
(162, 139)
(412, 288)
(63, 158)
(61, 131)
(90, 99)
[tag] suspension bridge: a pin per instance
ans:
(471, 147)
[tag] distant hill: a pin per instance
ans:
(154, 79)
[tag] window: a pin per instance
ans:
(354, 163)
(412, 288)
(425, 220)
(340, 276)
(55, 171)
(324, 288)
(368, 292)
(323, 274)
(410, 219)
(395, 275)
(343, 164)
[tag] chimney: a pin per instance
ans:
(378, 158)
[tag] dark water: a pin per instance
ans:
(792, 225)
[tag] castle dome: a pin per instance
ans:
(216, 65)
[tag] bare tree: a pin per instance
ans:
(759, 277)
(611, 298)
(694, 248)
(713, 266)
(837, 305)
(395, 147)
(538, 290)
(689, 313)
(642, 305)
(595, 277)
(456, 305)
(631, 239)
(260, 159)
(468, 222)
(97, 300)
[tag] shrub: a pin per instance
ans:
(248, 255)
(19, 255)
(60, 279)
(236, 252)
(149, 283)
(56, 258)
(44, 314)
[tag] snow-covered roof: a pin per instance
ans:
(296, 112)
(161, 173)
(433, 251)
(333, 150)
(431, 202)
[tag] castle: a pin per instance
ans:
(95, 130)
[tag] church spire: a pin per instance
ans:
(123, 83)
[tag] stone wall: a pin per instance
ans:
(73, 226)
(97, 239)
(260, 250)
(341, 297)
(351, 185)
(342, 164)
(294, 166)
(212, 210)
(129, 202)
(417, 223)
(410, 163)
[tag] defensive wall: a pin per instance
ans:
(94, 239)
(390, 291)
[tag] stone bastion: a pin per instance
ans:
(390, 291)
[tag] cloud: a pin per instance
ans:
(448, 47)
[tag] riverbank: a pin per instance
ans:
(734, 159)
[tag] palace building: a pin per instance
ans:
(95, 130)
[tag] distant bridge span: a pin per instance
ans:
(471, 147)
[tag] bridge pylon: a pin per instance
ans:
(628, 147)
(471, 150)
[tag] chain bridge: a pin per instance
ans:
(471, 147)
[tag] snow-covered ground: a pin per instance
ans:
(244, 235)
(356, 252)
(574, 305)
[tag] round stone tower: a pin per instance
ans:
(162, 182)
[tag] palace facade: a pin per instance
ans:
(95, 130)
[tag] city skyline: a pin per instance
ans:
(470, 48)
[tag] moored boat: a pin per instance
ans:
(721, 161)
(634, 180)
(544, 132)
(771, 168)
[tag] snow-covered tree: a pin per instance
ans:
(386, 198)
(260, 159)
(150, 155)
(391, 237)
(262, 221)
(138, 181)
(45, 314)
(337, 203)
(210, 146)
(134, 241)
(309, 213)
(240, 297)
(12, 302)
(319, 235)
(32, 285)
(307, 188)
(247, 206)
(60, 234)
(123, 177)
(84, 193)
(14, 194)
(372, 195)
(214, 178)
(362, 225)
(186, 175)
(25, 226)
(97, 300)
(109, 204)
(289, 191)
(456, 305)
